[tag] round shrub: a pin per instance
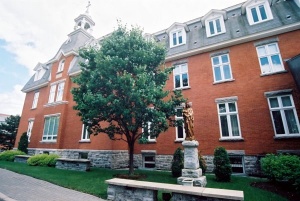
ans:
(282, 168)
(10, 155)
(177, 163)
(222, 167)
(43, 160)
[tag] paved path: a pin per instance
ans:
(17, 187)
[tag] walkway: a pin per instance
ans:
(17, 187)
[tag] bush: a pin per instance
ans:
(23, 143)
(43, 160)
(222, 167)
(10, 155)
(177, 163)
(202, 163)
(282, 168)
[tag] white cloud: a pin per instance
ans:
(12, 102)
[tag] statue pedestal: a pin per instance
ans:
(192, 171)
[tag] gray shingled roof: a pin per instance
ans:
(237, 26)
(32, 85)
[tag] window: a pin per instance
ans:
(180, 132)
(215, 27)
(258, 11)
(181, 78)
(61, 66)
(284, 115)
(39, 74)
(35, 100)
(85, 136)
(221, 68)
(59, 94)
(237, 164)
(51, 128)
(269, 58)
(148, 161)
(29, 129)
(148, 128)
(229, 120)
(177, 37)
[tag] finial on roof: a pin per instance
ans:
(87, 7)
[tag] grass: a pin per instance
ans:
(93, 182)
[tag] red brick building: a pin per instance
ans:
(232, 64)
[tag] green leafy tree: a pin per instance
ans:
(222, 167)
(8, 130)
(122, 87)
(23, 143)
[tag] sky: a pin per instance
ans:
(32, 31)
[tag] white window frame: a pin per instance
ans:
(214, 20)
(60, 91)
(52, 93)
(269, 56)
(35, 100)
(50, 132)
(176, 128)
(281, 108)
(237, 165)
(182, 33)
(61, 66)
(228, 115)
(255, 5)
(221, 65)
(39, 74)
(179, 71)
(85, 136)
(29, 128)
(150, 139)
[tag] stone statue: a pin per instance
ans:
(188, 118)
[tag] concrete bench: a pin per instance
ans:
(124, 189)
(73, 164)
(21, 158)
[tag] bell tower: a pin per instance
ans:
(84, 21)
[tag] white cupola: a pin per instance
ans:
(84, 21)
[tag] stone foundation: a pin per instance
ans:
(73, 164)
(21, 158)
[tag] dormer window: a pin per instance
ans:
(214, 22)
(61, 66)
(39, 74)
(257, 11)
(177, 34)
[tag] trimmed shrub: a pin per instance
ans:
(23, 143)
(222, 167)
(202, 163)
(282, 168)
(43, 160)
(9, 155)
(177, 163)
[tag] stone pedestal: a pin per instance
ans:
(191, 170)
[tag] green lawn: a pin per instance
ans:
(93, 182)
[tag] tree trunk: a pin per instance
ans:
(131, 149)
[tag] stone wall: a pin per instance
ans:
(73, 164)
(163, 162)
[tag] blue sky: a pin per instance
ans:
(33, 30)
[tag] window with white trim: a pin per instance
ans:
(29, 129)
(237, 164)
(54, 95)
(85, 136)
(284, 116)
(180, 131)
(61, 66)
(229, 120)
(147, 127)
(148, 161)
(181, 76)
(269, 58)
(51, 124)
(221, 68)
(35, 99)
(39, 74)
(259, 11)
(215, 26)
(177, 37)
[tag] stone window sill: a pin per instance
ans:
(48, 142)
(223, 81)
(56, 103)
(231, 139)
(286, 137)
(178, 141)
(84, 141)
(182, 88)
(273, 73)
